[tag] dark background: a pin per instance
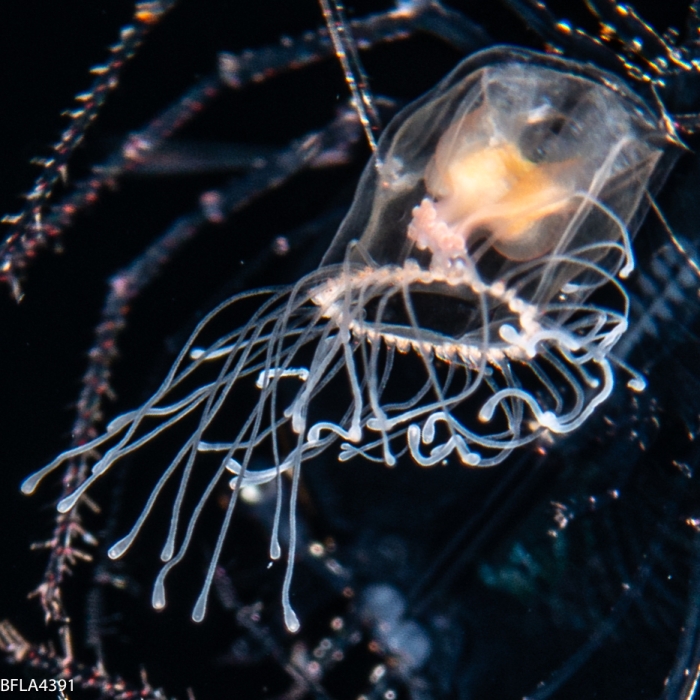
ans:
(46, 50)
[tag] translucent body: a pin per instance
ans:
(468, 305)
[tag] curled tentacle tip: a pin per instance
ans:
(29, 484)
(200, 608)
(627, 270)
(486, 413)
(118, 548)
(114, 425)
(67, 504)
(346, 452)
(637, 384)
(168, 551)
(158, 598)
(291, 621)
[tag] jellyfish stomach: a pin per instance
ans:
(494, 188)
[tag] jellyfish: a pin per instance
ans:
(468, 306)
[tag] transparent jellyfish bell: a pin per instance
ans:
(563, 122)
